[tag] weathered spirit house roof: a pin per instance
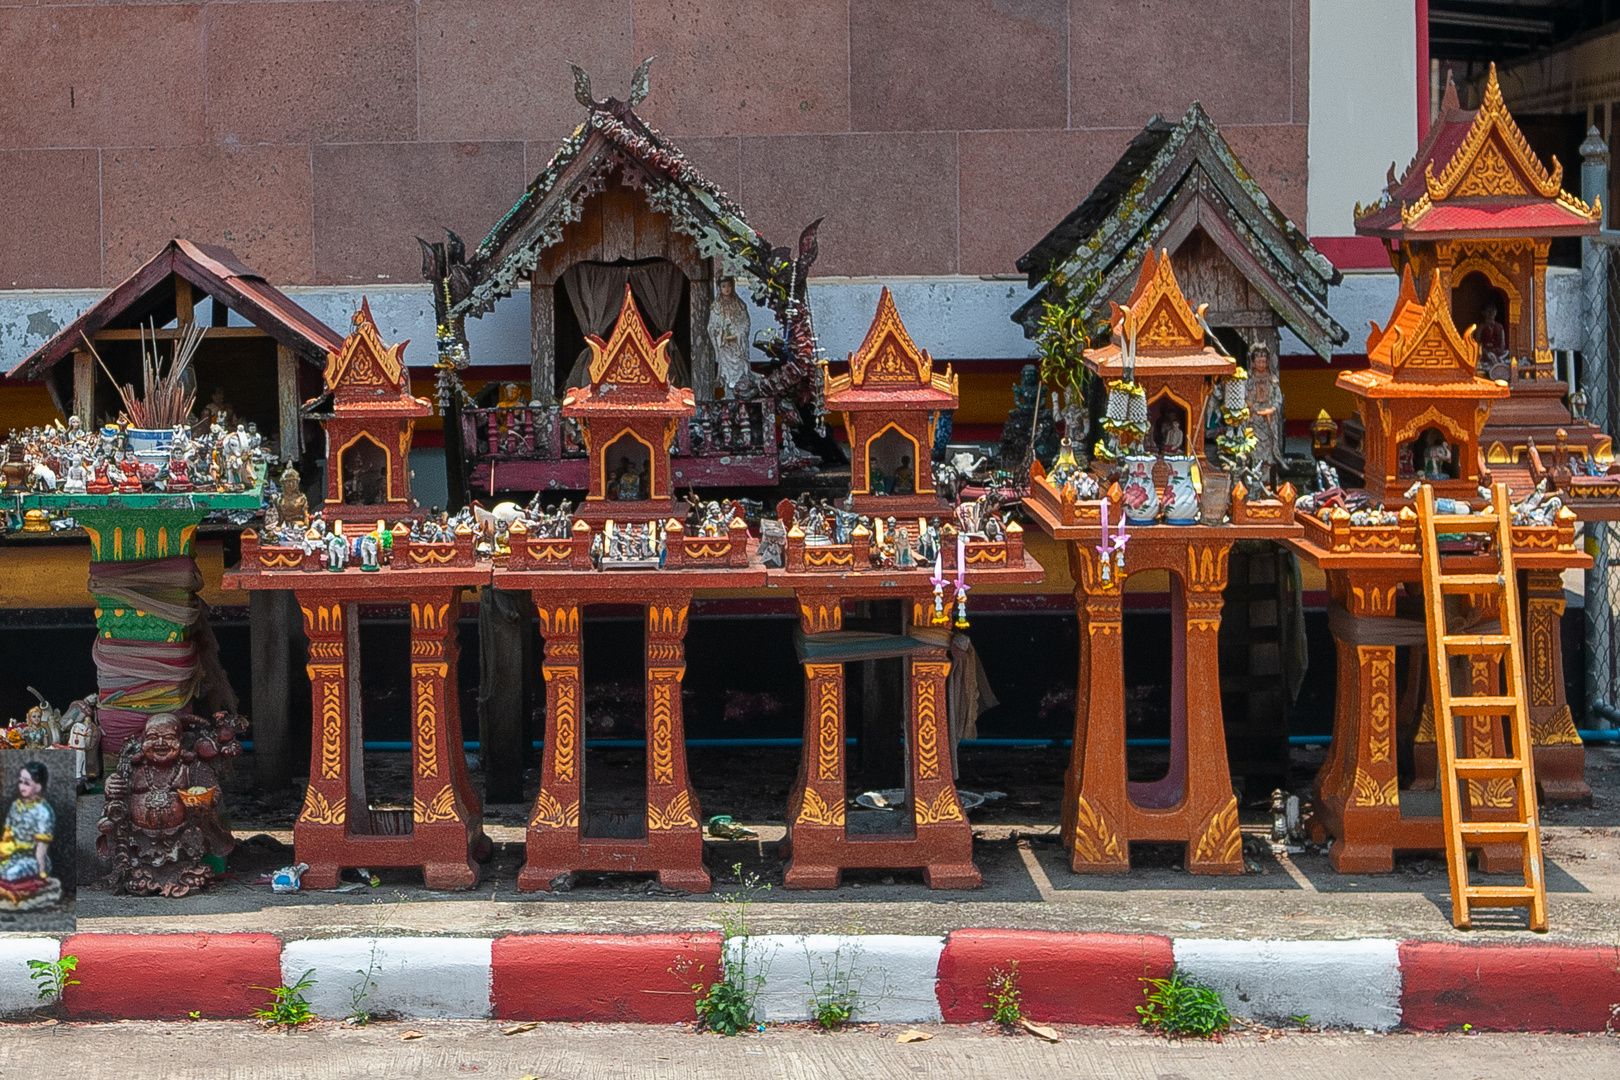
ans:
(1171, 179)
(1476, 175)
(612, 138)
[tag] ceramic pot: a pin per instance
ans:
(1180, 493)
(1216, 499)
(1141, 497)
(153, 440)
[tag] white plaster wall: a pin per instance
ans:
(1363, 111)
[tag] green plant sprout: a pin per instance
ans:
(1006, 1002)
(1179, 1006)
(287, 1007)
(726, 1006)
(53, 976)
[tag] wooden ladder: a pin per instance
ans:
(1508, 648)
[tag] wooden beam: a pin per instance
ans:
(292, 429)
(542, 339)
(84, 387)
(171, 333)
(184, 303)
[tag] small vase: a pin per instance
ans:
(1216, 498)
(1141, 497)
(1180, 493)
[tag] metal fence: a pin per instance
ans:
(1600, 364)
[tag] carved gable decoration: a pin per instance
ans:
(1421, 343)
(887, 355)
(1494, 158)
(630, 361)
(364, 370)
(1164, 319)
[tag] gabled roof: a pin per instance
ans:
(1420, 353)
(629, 372)
(149, 292)
(889, 371)
(1171, 178)
(367, 378)
(1475, 175)
(1168, 337)
(612, 138)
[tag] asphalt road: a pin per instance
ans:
(464, 1049)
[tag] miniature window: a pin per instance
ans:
(364, 472)
(1167, 421)
(1476, 302)
(1431, 456)
(892, 463)
(628, 463)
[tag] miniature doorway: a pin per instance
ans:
(1469, 299)
(892, 459)
(363, 472)
(1431, 456)
(1167, 422)
(627, 464)
(587, 299)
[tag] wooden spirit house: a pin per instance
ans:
(369, 427)
(627, 416)
(1473, 218)
(888, 400)
(1422, 406)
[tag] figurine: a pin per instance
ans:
(728, 329)
(627, 484)
(369, 552)
(337, 549)
(904, 482)
(1171, 438)
(160, 821)
(1493, 344)
(1028, 422)
(84, 736)
(292, 507)
(77, 482)
(1436, 455)
(1265, 412)
(25, 845)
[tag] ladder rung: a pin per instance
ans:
(1470, 583)
(1483, 706)
(1464, 523)
(1493, 830)
(1499, 895)
(1465, 644)
(1488, 768)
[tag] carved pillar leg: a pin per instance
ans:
(1330, 777)
(1559, 756)
(1215, 846)
(674, 819)
(1368, 796)
(1095, 845)
(322, 825)
(1073, 774)
(554, 833)
(816, 808)
(443, 823)
(942, 829)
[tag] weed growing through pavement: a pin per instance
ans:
(834, 991)
(1180, 1006)
(1006, 1002)
(726, 1005)
(287, 1007)
(53, 976)
(360, 991)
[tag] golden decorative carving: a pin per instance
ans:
(826, 615)
(1425, 731)
(1373, 599)
(323, 618)
(630, 357)
(427, 714)
(551, 814)
(666, 619)
(1377, 661)
(1368, 792)
(1094, 841)
(928, 677)
(1543, 622)
(432, 554)
(832, 555)
(1206, 566)
(562, 620)
(943, 808)
(442, 807)
(1556, 730)
(826, 679)
(677, 813)
(1481, 159)
(318, 811)
(817, 811)
(1490, 175)
(661, 743)
(1221, 841)
(331, 729)
(563, 682)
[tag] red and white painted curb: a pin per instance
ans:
(1070, 978)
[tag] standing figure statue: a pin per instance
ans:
(1265, 413)
(25, 845)
(1494, 360)
(728, 328)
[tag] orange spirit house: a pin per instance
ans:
(628, 417)
(888, 400)
(1474, 217)
(1421, 404)
(369, 428)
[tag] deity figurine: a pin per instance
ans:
(25, 845)
(160, 820)
(84, 736)
(1436, 455)
(1494, 361)
(101, 482)
(179, 469)
(728, 328)
(77, 481)
(627, 484)
(1030, 420)
(292, 507)
(1172, 439)
(1264, 392)
(369, 552)
(904, 482)
(216, 413)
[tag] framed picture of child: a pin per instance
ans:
(38, 837)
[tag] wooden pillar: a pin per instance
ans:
(84, 387)
(503, 624)
(542, 339)
(320, 829)
(1559, 756)
(273, 626)
(1366, 801)
(554, 830)
(816, 808)
(442, 819)
(674, 819)
(292, 431)
(1097, 767)
(1214, 846)
(700, 297)
(931, 792)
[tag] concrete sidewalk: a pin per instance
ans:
(194, 1051)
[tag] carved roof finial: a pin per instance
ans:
(639, 86)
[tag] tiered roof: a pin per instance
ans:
(1475, 175)
(888, 370)
(1169, 336)
(366, 377)
(629, 373)
(1420, 353)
